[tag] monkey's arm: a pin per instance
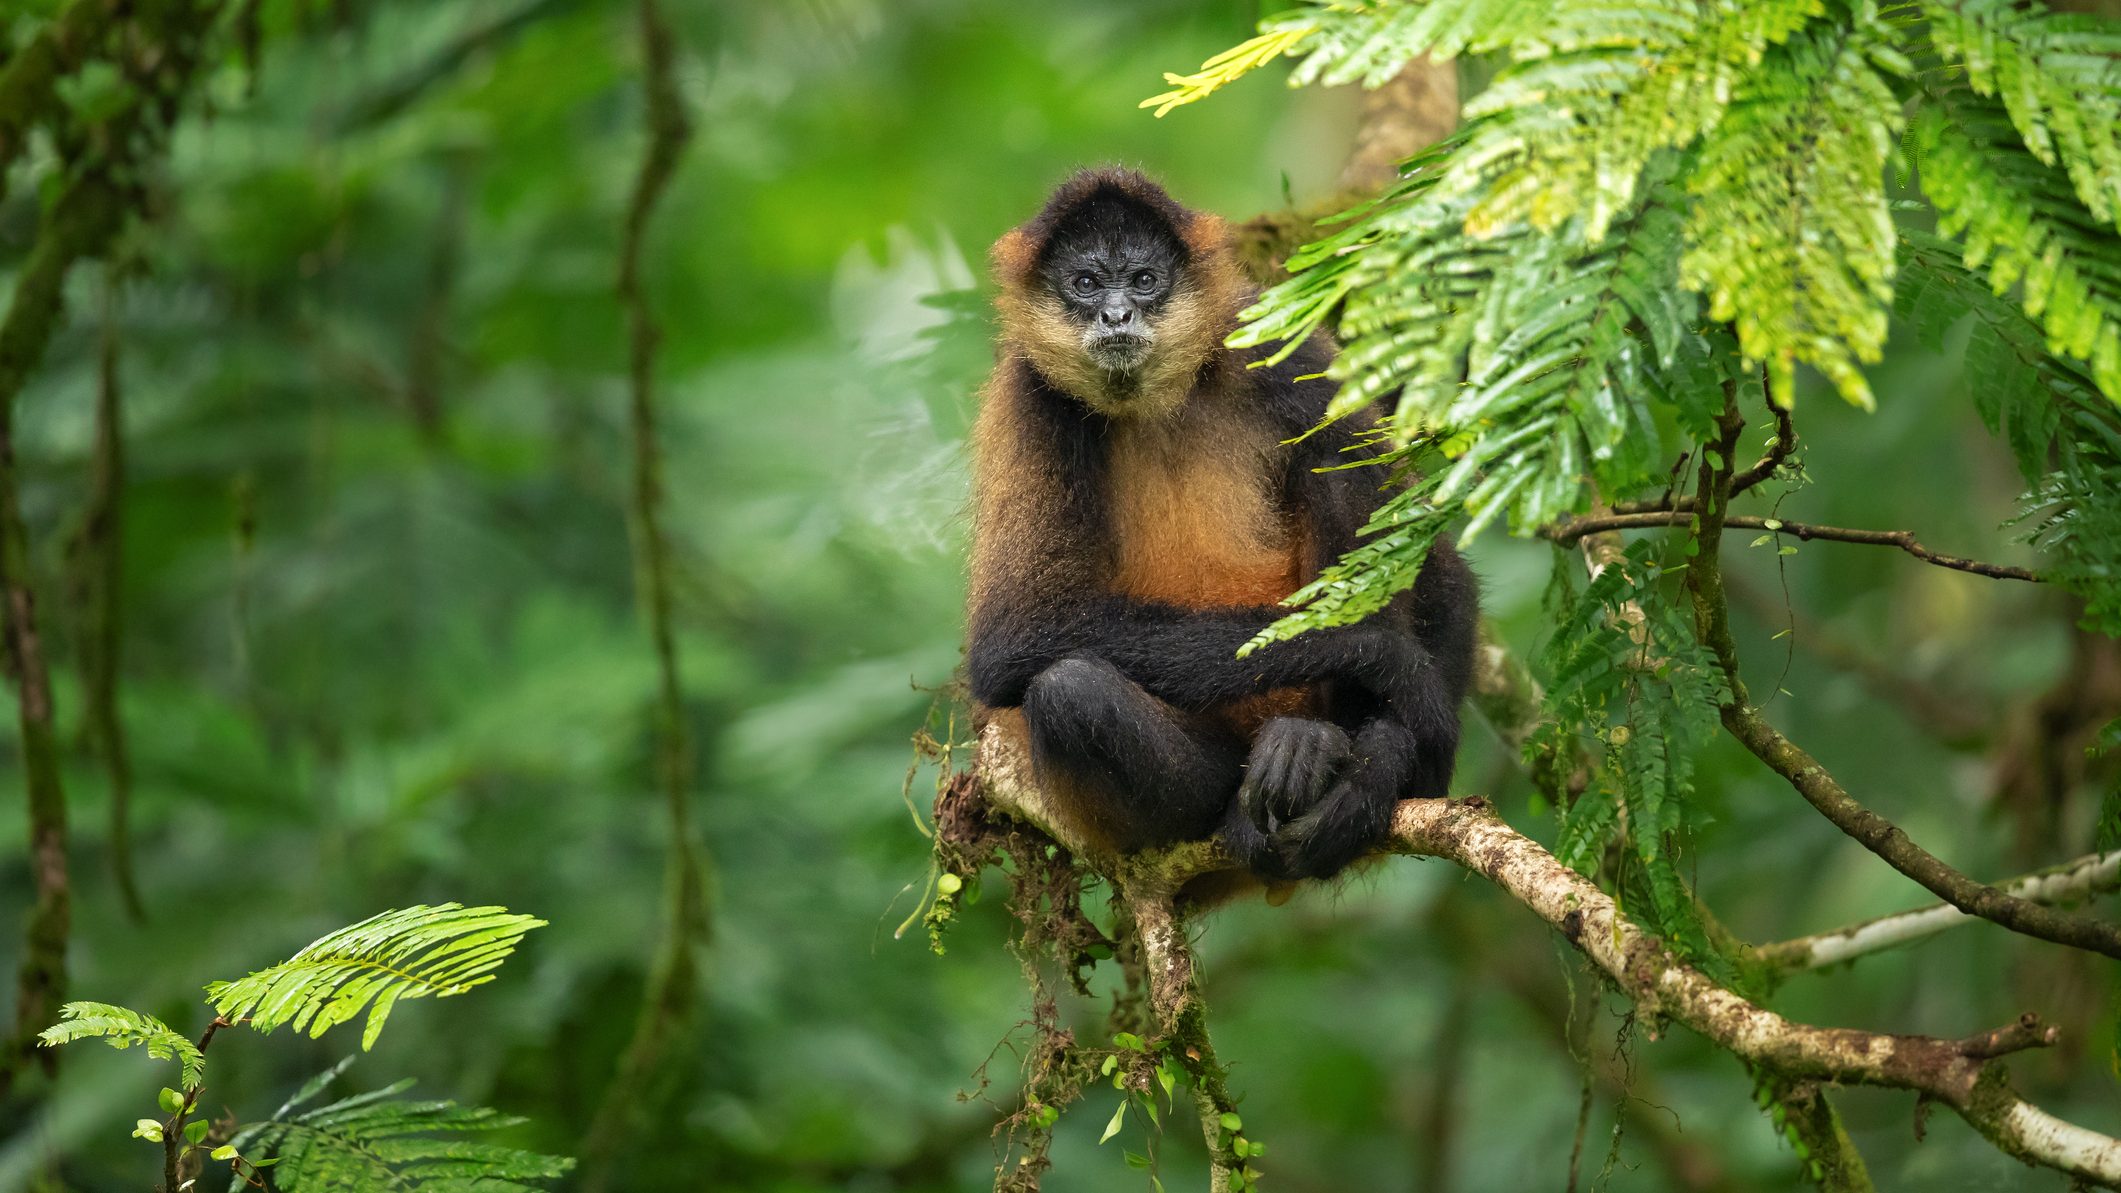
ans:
(1186, 658)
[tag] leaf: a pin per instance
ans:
(2056, 76)
(378, 1140)
(122, 1028)
(1119, 1117)
(414, 952)
(1790, 235)
(2020, 224)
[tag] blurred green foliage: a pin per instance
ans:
(381, 646)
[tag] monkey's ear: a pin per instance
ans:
(1206, 235)
(1012, 258)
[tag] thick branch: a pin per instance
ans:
(2093, 874)
(1961, 1074)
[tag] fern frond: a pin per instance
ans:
(2059, 77)
(379, 1141)
(1625, 675)
(2020, 222)
(2064, 434)
(1599, 91)
(1370, 43)
(413, 952)
(1790, 235)
(122, 1028)
(1275, 40)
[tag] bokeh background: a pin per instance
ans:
(382, 645)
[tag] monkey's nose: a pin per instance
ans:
(1116, 316)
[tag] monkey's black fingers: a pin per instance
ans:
(1352, 820)
(1248, 846)
(1293, 761)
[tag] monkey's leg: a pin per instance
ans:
(1125, 760)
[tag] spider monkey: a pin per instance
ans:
(1142, 501)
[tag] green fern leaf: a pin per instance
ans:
(122, 1028)
(378, 1140)
(2059, 77)
(414, 952)
(1790, 235)
(1596, 93)
(2020, 223)
(1369, 43)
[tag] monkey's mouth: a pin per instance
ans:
(1119, 351)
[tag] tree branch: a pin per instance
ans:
(1803, 772)
(1962, 1074)
(1779, 450)
(672, 993)
(1569, 530)
(2093, 874)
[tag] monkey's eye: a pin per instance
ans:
(1085, 283)
(1144, 280)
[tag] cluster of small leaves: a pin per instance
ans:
(379, 1140)
(1769, 1090)
(1629, 685)
(412, 952)
(1527, 289)
(122, 1028)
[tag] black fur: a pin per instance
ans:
(1115, 691)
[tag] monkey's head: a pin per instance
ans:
(1116, 294)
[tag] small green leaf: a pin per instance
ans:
(1258, 1149)
(226, 1151)
(1763, 540)
(169, 1100)
(1119, 1116)
(1787, 551)
(1231, 1122)
(949, 884)
(147, 1129)
(1137, 1160)
(1128, 1039)
(1771, 523)
(195, 1131)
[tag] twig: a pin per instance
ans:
(1763, 468)
(673, 982)
(2092, 874)
(1569, 530)
(97, 556)
(1803, 772)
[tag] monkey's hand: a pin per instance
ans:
(1291, 768)
(1354, 814)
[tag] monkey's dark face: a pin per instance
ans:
(1113, 266)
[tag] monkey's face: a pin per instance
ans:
(1118, 296)
(1113, 278)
